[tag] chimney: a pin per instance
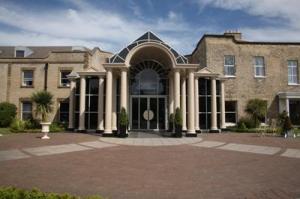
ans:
(235, 33)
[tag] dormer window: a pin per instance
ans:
(20, 53)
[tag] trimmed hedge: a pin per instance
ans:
(14, 193)
(8, 112)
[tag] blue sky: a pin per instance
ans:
(112, 24)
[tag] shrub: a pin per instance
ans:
(13, 193)
(287, 124)
(17, 125)
(257, 110)
(8, 112)
(178, 117)
(56, 127)
(32, 124)
(123, 117)
(246, 122)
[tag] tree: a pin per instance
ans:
(44, 102)
(178, 122)
(257, 109)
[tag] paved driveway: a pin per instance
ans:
(213, 167)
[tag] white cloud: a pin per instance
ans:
(273, 10)
(85, 25)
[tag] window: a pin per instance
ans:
(229, 65)
(20, 53)
(64, 81)
(259, 66)
(27, 78)
(64, 111)
(292, 72)
(230, 111)
(26, 111)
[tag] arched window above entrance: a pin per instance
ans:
(148, 78)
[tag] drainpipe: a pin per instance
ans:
(46, 77)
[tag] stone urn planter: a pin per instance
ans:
(45, 129)
(43, 101)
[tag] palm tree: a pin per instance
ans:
(44, 102)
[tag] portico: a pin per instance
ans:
(150, 80)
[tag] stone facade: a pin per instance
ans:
(205, 62)
(244, 86)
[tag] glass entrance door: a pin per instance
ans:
(148, 113)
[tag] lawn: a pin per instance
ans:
(5, 131)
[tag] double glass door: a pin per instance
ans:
(148, 113)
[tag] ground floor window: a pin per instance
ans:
(26, 110)
(205, 103)
(64, 111)
(295, 111)
(230, 111)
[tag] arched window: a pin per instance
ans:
(148, 78)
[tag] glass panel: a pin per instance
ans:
(93, 104)
(27, 107)
(28, 74)
(153, 108)
(229, 60)
(64, 107)
(135, 113)
(93, 120)
(94, 84)
(143, 109)
(230, 117)
(20, 53)
(294, 112)
(230, 106)
(161, 113)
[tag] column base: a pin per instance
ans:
(191, 135)
(81, 130)
(214, 130)
(108, 133)
(99, 131)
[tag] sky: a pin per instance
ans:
(113, 24)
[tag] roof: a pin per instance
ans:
(38, 51)
(147, 37)
(241, 41)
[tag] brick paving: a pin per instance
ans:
(181, 171)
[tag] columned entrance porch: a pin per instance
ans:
(150, 80)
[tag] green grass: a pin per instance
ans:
(5, 131)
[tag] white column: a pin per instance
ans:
(114, 104)
(223, 126)
(100, 104)
(123, 102)
(82, 104)
(177, 89)
(191, 103)
(183, 103)
(108, 102)
(71, 104)
(196, 105)
(287, 106)
(213, 105)
(171, 95)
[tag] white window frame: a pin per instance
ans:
(22, 110)
(229, 66)
(61, 78)
(293, 75)
(259, 66)
(24, 80)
